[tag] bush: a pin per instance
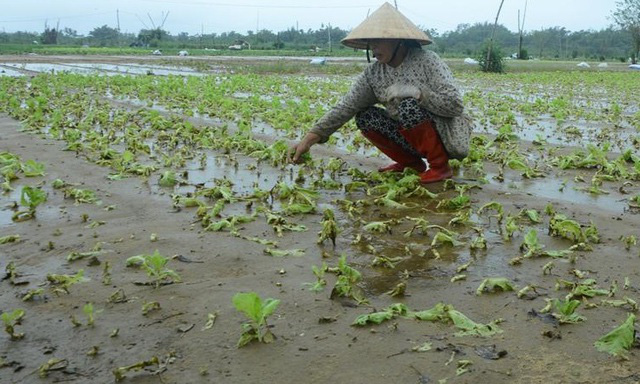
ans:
(524, 55)
(495, 63)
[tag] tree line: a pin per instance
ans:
(466, 40)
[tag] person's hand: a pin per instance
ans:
(302, 147)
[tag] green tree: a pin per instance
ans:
(627, 17)
(104, 36)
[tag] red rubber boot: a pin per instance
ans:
(395, 152)
(425, 139)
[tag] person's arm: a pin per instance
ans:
(359, 97)
(440, 96)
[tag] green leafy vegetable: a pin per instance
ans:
(620, 340)
(257, 311)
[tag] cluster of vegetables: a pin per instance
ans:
(159, 142)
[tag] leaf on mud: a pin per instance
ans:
(9, 239)
(423, 348)
(471, 328)
(389, 313)
(439, 312)
(211, 319)
(495, 283)
(284, 253)
(620, 340)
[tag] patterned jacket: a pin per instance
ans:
(438, 94)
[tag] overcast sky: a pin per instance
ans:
(216, 16)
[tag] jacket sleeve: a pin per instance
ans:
(440, 95)
(358, 98)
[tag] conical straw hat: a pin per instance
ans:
(385, 23)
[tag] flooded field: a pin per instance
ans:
(137, 205)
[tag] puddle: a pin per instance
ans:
(102, 69)
(137, 69)
(51, 68)
(9, 72)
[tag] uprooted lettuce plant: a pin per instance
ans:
(10, 320)
(346, 283)
(586, 288)
(619, 341)
(320, 282)
(155, 266)
(119, 373)
(257, 311)
(62, 283)
(30, 198)
(329, 228)
(438, 313)
(81, 195)
(563, 310)
(493, 284)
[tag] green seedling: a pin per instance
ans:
(89, 312)
(531, 244)
(52, 365)
(546, 269)
(31, 293)
(73, 256)
(532, 215)
(81, 195)
(586, 288)
(455, 204)
(625, 302)
(106, 273)
(168, 179)
(32, 168)
(559, 225)
(462, 217)
(9, 239)
(119, 373)
(280, 224)
(329, 228)
(495, 284)
(445, 238)
(30, 198)
(155, 266)
(420, 224)
(493, 206)
(529, 292)
(64, 282)
(629, 241)
(619, 341)
(11, 273)
(149, 307)
(379, 226)
(565, 311)
(386, 262)
(510, 227)
(320, 280)
(398, 290)
(346, 284)
(257, 311)
(389, 313)
(58, 184)
(478, 242)
(10, 320)
(440, 313)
